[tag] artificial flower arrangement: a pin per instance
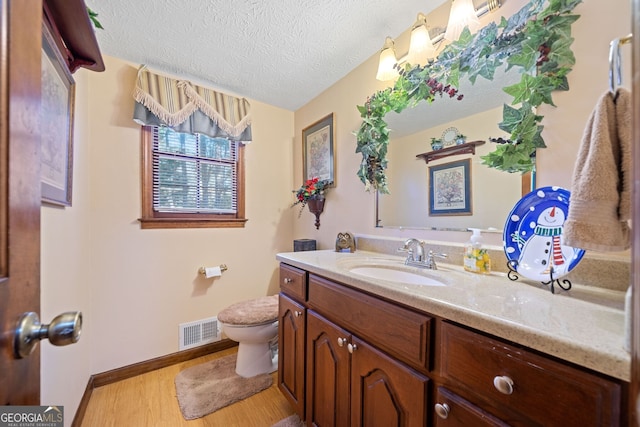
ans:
(313, 188)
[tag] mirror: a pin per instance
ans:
(472, 56)
(477, 117)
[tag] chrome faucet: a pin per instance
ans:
(416, 255)
(414, 249)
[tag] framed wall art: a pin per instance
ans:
(318, 150)
(56, 116)
(450, 188)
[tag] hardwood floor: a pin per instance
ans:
(149, 400)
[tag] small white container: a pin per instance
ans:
(628, 314)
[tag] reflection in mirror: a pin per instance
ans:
(493, 192)
(481, 96)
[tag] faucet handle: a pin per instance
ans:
(405, 250)
(431, 262)
(433, 254)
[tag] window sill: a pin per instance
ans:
(154, 223)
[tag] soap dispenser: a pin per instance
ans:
(476, 257)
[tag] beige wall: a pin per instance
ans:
(350, 208)
(66, 276)
(136, 286)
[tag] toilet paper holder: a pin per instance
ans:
(203, 270)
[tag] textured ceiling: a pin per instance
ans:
(280, 52)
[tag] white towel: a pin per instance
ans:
(600, 204)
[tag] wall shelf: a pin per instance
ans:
(466, 148)
(71, 27)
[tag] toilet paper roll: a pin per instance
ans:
(210, 272)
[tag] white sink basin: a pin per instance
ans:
(395, 275)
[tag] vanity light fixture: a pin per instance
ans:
(421, 48)
(386, 71)
(422, 45)
(463, 14)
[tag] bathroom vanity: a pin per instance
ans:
(476, 351)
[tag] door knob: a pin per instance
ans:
(64, 329)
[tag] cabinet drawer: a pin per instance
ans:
(293, 282)
(400, 332)
(543, 392)
(454, 411)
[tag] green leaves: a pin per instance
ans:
(536, 39)
(559, 7)
(93, 16)
(522, 124)
(534, 90)
(510, 158)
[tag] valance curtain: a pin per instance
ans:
(185, 107)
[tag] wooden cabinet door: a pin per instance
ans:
(384, 392)
(291, 347)
(327, 373)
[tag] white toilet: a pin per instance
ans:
(254, 325)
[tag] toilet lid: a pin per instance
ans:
(251, 312)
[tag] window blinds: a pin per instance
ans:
(194, 173)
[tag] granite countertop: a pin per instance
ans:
(584, 325)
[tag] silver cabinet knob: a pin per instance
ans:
(341, 342)
(287, 280)
(442, 410)
(352, 348)
(297, 313)
(503, 384)
(64, 329)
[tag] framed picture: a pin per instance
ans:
(318, 150)
(450, 188)
(58, 98)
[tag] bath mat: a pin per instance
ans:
(205, 388)
(290, 421)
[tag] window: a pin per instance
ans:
(191, 180)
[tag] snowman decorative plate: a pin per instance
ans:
(533, 239)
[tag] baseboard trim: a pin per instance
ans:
(119, 374)
(84, 402)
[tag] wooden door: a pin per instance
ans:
(21, 33)
(384, 392)
(634, 389)
(291, 345)
(327, 373)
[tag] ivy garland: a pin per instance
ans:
(93, 16)
(536, 39)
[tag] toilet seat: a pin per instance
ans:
(253, 312)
